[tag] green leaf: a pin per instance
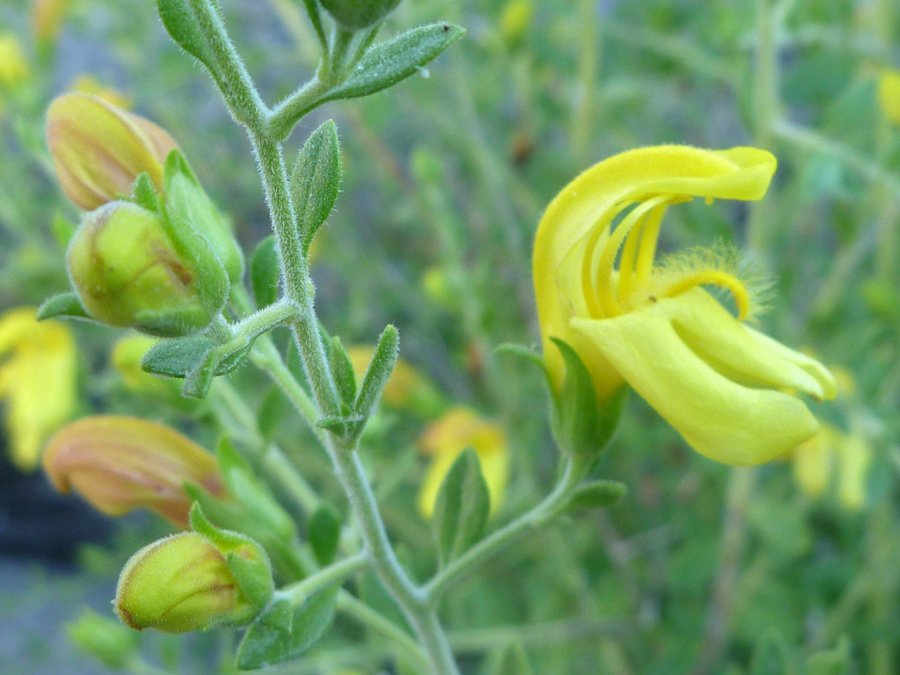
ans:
(340, 426)
(324, 533)
(512, 659)
(389, 62)
(182, 23)
(580, 424)
(265, 272)
(379, 371)
(342, 369)
(831, 661)
(143, 191)
(177, 357)
(316, 180)
(462, 507)
(62, 305)
(597, 495)
(267, 643)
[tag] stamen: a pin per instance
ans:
(647, 252)
(609, 304)
(717, 278)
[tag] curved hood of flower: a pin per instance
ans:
(721, 384)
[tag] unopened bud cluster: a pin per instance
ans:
(152, 251)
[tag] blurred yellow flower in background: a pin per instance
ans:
(728, 389)
(460, 428)
(889, 94)
(47, 17)
(13, 62)
(37, 381)
(834, 457)
(88, 84)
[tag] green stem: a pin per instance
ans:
(324, 578)
(345, 460)
(287, 113)
(229, 73)
(540, 515)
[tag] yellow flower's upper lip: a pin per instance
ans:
(593, 199)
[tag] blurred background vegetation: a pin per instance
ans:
(787, 568)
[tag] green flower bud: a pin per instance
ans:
(186, 582)
(104, 639)
(131, 268)
(359, 14)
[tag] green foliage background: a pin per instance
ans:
(701, 569)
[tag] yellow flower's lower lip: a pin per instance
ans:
(720, 384)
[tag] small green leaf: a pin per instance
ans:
(176, 357)
(597, 495)
(324, 533)
(63, 305)
(316, 180)
(340, 426)
(462, 507)
(267, 643)
(143, 191)
(182, 23)
(63, 230)
(265, 272)
(379, 371)
(390, 62)
(342, 369)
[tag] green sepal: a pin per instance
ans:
(265, 272)
(581, 425)
(597, 495)
(62, 306)
(316, 181)
(462, 507)
(267, 643)
(342, 370)
(324, 532)
(186, 200)
(389, 62)
(246, 559)
(384, 358)
(143, 193)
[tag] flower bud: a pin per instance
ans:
(99, 150)
(129, 270)
(185, 583)
(119, 464)
(406, 389)
(359, 14)
(105, 639)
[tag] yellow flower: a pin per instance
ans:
(460, 428)
(99, 149)
(889, 94)
(830, 456)
(119, 464)
(88, 84)
(13, 64)
(722, 385)
(37, 381)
